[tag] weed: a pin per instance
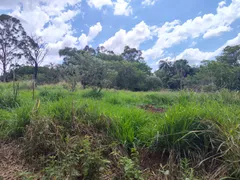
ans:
(95, 94)
(51, 95)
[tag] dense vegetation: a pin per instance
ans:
(87, 123)
(100, 68)
(123, 134)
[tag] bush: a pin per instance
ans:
(152, 83)
(8, 100)
(42, 138)
(21, 120)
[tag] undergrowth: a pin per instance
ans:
(70, 135)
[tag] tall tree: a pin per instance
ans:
(90, 50)
(80, 65)
(230, 55)
(35, 50)
(132, 54)
(182, 69)
(106, 55)
(165, 65)
(12, 37)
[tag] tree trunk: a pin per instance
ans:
(4, 72)
(35, 71)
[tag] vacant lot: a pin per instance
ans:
(118, 134)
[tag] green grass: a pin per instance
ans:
(193, 124)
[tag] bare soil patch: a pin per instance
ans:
(11, 163)
(152, 109)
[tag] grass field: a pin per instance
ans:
(121, 134)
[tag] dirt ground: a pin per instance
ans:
(11, 163)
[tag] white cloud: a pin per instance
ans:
(208, 25)
(148, 2)
(122, 7)
(216, 31)
(50, 19)
(194, 55)
(222, 3)
(133, 38)
(36, 18)
(93, 32)
(99, 3)
(67, 41)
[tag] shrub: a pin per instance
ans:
(21, 120)
(8, 100)
(42, 138)
(130, 166)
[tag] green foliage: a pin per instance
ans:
(13, 36)
(187, 172)
(153, 83)
(159, 99)
(9, 98)
(173, 74)
(95, 94)
(230, 55)
(47, 144)
(20, 121)
(51, 94)
(202, 127)
(79, 162)
(131, 169)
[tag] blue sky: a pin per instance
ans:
(162, 29)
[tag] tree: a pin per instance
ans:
(129, 76)
(153, 83)
(173, 75)
(230, 55)
(165, 72)
(106, 55)
(182, 69)
(80, 65)
(35, 51)
(12, 38)
(132, 54)
(165, 65)
(90, 50)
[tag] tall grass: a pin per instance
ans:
(200, 126)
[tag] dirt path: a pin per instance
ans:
(10, 162)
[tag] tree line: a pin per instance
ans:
(100, 68)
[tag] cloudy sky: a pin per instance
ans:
(162, 29)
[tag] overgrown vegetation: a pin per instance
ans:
(82, 120)
(85, 135)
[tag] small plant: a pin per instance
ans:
(20, 121)
(79, 162)
(131, 166)
(95, 94)
(28, 176)
(187, 172)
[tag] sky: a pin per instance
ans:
(195, 30)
